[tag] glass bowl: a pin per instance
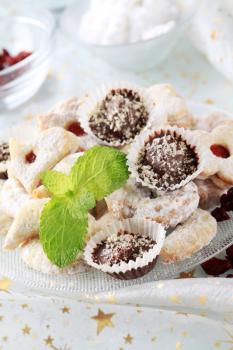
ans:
(137, 56)
(25, 30)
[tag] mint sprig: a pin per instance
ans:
(64, 220)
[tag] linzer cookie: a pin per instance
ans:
(115, 115)
(165, 159)
(126, 250)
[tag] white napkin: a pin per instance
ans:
(212, 33)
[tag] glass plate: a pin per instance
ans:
(94, 281)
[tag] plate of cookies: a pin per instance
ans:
(122, 186)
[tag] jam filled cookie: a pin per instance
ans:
(29, 161)
(26, 223)
(171, 106)
(115, 115)
(190, 237)
(165, 159)
(126, 250)
(219, 152)
(66, 115)
(34, 257)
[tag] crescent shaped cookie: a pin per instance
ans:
(33, 255)
(64, 166)
(168, 209)
(26, 224)
(12, 197)
(190, 237)
(29, 161)
(171, 105)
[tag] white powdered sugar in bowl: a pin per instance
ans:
(111, 22)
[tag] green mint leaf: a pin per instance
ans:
(101, 171)
(57, 183)
(63, 227)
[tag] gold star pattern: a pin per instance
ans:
(26, 330)
(24, 306)
(5, 284)
(103, 320)
(189, 274)
(5, 338)
(184, 334)
(49, 341)
(175, 299)
(202, 299)
(128, 339)
(179, 345)
(65, 310)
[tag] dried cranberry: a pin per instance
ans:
(226, 202)
(229, 252)
(229, 276)
(220, 151)
(76, 129)
(216, 266)
(230, 193)
(30, 157)
(220, 214)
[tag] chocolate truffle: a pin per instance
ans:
(166, 160)
(121, 247)
(4, 158)
(119, 117)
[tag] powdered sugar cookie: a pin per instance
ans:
(66, 115)
(211, 121)
(190, 237)
(30, 160)
(171, 106)
(26, 223)
(169, 209)
(209, 193)
(12, 197)
(5, 223)
(64, 166)
(172, 208)
(33, 255)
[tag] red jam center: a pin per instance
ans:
(7, 60)
(30, 157)
(76, 129)
(220, 151)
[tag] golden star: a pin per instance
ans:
(175, 299)
(26, 329)
(103, 320)
(202, 299)
(179, 345)
(128, 339)
(24, 306)
(5, 338)
(189, 274)
(49, 341)
(5, 284)
(65, 310)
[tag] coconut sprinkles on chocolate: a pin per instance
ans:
(166, 160)
(122, 247)
(120, 116)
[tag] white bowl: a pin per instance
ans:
(137, 56)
